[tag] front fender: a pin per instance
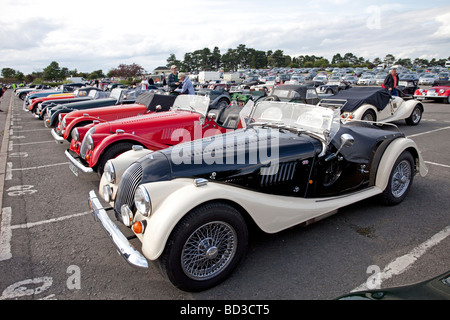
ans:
(172, 200)
(117, 137)
(76, 121)
(391, 154)
(121, 163)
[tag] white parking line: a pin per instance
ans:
(426, 132)
(437, 164)
(6, 229)
(9, 168)
(401, 264)
(34, 224)
(5, 235)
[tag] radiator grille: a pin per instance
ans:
(131, 179)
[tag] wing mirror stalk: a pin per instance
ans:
(347, 140)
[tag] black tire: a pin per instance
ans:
(415, 117)
(400, 179)
(110, 153)
(369, 115)
(217, 253)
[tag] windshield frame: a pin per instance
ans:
(316, 121)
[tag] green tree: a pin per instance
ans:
(389, 59)
(8, 73)
(172, 60)
(52, 72)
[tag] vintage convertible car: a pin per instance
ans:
(294, 93)
(374, 104)
(191, 117)
(80, 94)
(191, 205)
(333, 87)
(440, 91)
(22, 92)
(115, 97)
(62, 89)
(146, 102)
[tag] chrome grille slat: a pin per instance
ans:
(131, 179)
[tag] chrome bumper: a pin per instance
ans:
(126, 250)
(77, 164)
(57, 137)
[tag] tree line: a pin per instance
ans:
(241, 57)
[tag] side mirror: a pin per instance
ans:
(347, 140)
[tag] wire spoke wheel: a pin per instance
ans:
(401, 179)
(209, 250)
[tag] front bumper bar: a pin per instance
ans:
(126, 250)
(57, 137)
(77, 163)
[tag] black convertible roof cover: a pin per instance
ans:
(355, 97)
(151, 100)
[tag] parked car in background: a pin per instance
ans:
(374, 104)
(440, 91)
(294, 93)
(427, 79)
(80, 94)
(366, 80)
(190, 118)
(351, 79)
(116, 97)
(192, 215)
(379, 78)
(146, 102)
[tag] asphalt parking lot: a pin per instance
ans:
(50, 247)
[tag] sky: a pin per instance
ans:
(100, 35)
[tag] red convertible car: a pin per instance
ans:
(189, 119)
(146, 102)
(440, 91)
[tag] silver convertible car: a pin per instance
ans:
(191, 205)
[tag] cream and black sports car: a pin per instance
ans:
(191, 205)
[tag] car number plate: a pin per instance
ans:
(73, 169)
(403, 83)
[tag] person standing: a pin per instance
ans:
(188, 87)
(391, 82)
(144, 84)
(172, 80)
(1, 94)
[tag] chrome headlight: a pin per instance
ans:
(109, 172)
(75, 135)
(89, 142)
(63, 123)
(142, 201)
(441, 91)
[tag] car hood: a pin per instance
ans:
(115, 110)
(86, 104)
(148, 122)
(251, 158)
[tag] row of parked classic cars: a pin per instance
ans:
(190, 174)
